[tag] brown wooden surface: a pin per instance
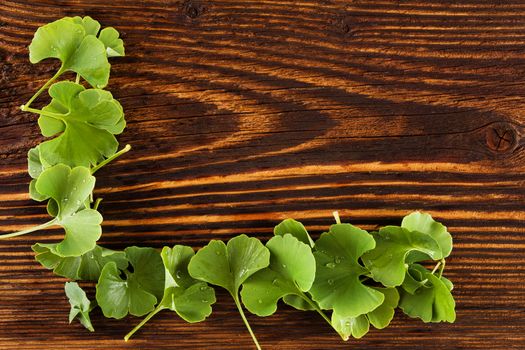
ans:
(242, 113)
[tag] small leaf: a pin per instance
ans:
(291, 272)
(90, 25)
(134, 292)
(88, 121)
(228, 266)
(80, 305)
(387, 262)
(188, 297)
(433, 302)
(78, 51)
(114, 45)
(296, 229)
(69, 188)
(86, 267)
(337, 285)
(423, 222)
(381, 316)
(356, 327)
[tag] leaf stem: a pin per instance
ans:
(25, 107)
(97, 202)
(77, 79)
(319, 311)
(239, 307)
(144, 321)
(29, 230)
(336, 216)
(106, 161)
(437, 266)
(442, 268)
(44, 113)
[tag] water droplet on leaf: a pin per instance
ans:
(330, 265)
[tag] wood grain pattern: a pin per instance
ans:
(242, 113)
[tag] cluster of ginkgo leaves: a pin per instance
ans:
(351, 277)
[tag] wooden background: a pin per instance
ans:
(242, 113)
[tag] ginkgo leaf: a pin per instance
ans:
(79, 51)
(136, 291)
(86, 121)
(337, 283)
(91, 26)
(432, 302)
(229, 265)
(380, 317)
(423, 222)
(80, 305)
(86, 267)
(387, 262)
(114, 45)
(296, 229)
(69, 188)
(291, 271)
(356, 327)
(189, 298)
(35, 167)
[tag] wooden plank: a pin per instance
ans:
(242, 113)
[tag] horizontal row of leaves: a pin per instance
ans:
(360, 277)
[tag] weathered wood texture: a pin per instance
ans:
(242, 113)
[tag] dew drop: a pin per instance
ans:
(260, 301)
(330, 265)
(178, 274)
(204, 300)
(275, 281)
(218, 252)
(330, 282)
(65, 199)
(337, 260)
(284, 266)
(83, 181)
(347, 324)
(203, 288)
(74, 188)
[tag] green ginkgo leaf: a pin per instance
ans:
(432, 302)
(296, 229)
(229, 265)
(135, 290)
(380, 317)
(81, 306)
(356, 327)
(114, 45)
(423, 222)
(337, 283)
(78, 49)
(189, 298)
(86, 121)
(291, 272)
(86, 267)
(35, 167)
(68, 189)
(387, 262)
(91, 26)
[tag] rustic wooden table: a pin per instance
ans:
(242, 113)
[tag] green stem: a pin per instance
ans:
(442, 268)
(106, 161)
(319, 311)
(52, 79)
(336, 217)
(239, 307)
(97, 202)
(436, 267)
(29, 230)
(44, 113)
(77, 79)
(143, 322)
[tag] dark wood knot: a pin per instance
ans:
(501, 137)
(193, 10)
